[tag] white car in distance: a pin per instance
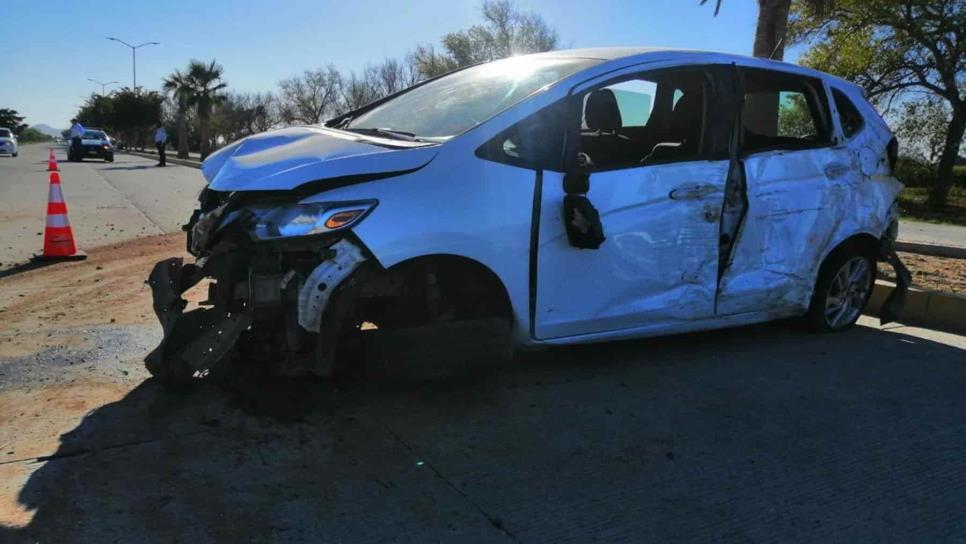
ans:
(8, 142)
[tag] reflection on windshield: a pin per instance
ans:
(455, 103)
(93, 135)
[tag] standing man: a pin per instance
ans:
(76, 134)
(160, 140)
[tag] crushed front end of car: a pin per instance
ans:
(272, 266)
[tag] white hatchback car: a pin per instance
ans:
(566, 197)
(8, 142)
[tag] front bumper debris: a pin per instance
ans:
(196, 341)
(267, 299)
(892, 307)
(896, 302)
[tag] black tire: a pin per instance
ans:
(845, 262)
(15, 154)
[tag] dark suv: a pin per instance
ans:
(95, 143)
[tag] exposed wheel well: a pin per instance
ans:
(863, 242)
(450, 287)
(429, 289)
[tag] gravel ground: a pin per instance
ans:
(932, 273)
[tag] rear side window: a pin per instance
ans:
(783, 111)
(849, 115)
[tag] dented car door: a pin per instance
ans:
(659, 199)
(795, 177)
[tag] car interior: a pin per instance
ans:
(664, 118)
(644, 121)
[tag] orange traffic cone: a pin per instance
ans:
(51, 162)
(58, 236)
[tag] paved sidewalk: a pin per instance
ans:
(929, 233)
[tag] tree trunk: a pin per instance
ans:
(762, 108)
(944, 173)
(204, 129)
(182, 135)
(772, 24)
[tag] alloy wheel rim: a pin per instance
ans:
(848, 292)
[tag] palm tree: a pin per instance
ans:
(178, 85)
(770, 33)
(206, 84)
(773, 23)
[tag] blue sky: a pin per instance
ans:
(52, 47)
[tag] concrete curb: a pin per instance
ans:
(173, 160)
(931, 249)
(930, 309)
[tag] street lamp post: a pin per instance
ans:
(102, 84)
(134, 60)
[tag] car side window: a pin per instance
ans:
(536, 142)
(783, 111)
(650, 118)
(849, 116)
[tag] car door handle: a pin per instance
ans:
(836, 169)
(692, 191)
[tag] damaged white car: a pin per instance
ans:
(566, 197)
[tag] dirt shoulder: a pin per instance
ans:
(933, 273)
(107, 288)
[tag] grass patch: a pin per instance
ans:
(912, 202)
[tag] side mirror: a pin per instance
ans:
(576, 182)
(581, 218)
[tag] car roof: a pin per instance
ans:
(630, 55)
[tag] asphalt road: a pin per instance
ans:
(760, 434)
(107, 202)
(757, 434)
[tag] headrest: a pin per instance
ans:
(687, 112)
(601, 112)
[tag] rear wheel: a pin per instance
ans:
(843, 289)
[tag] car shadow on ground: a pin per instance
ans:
(742, 435)
(135, 167)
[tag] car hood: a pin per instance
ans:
(286, 158)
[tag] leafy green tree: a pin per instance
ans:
(894, 48)
(97, 111)
(922, 126)
(31, 135)
(9, 118)
(794, 119)
(207, 86)
(179, 87)
(134, 114)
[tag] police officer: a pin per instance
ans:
(160, 140)
(76, 134)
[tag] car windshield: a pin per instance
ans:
(94, 135)
(455, 103)
(4, 133)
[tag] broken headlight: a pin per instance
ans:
(291, 220)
